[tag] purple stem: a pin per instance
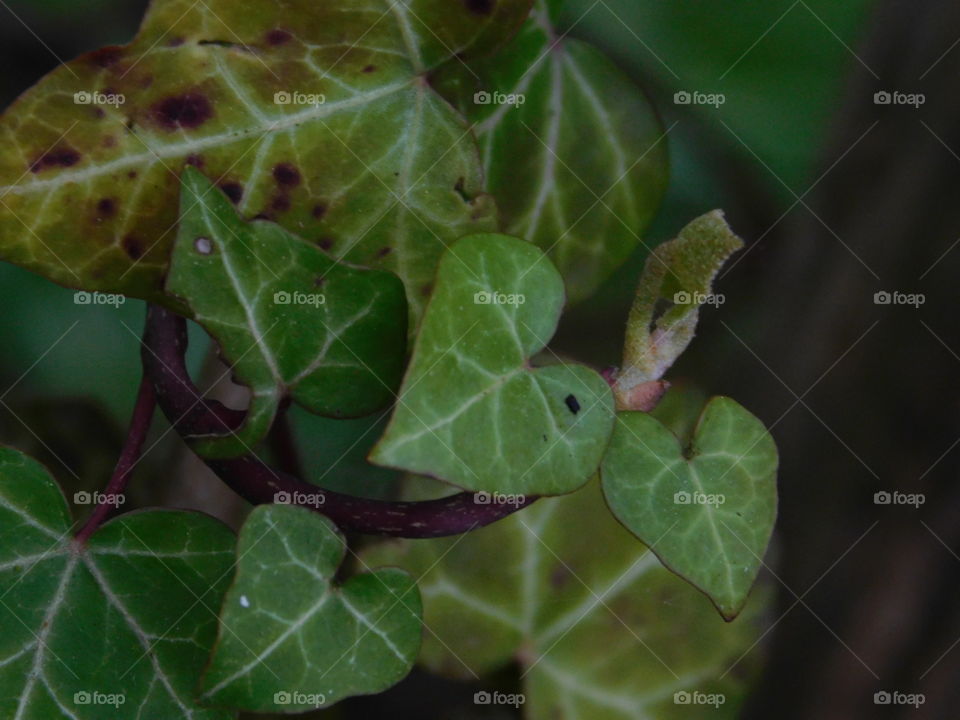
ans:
(137, 433)
(164, 346)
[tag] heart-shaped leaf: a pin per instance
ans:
(599, 629)
(574, 152)
(707, 512)
(289, 638)
(678, 274)
(472, 411)
(316, 115)
(289, 319)
(119, 627)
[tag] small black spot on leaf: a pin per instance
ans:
(233, 190)
(195, 160)
(325, 243)
(278, 37)
(369, 68)
(286, 174)
(56, 157)
(280, 203)
(383, 252)
(572, 403)
(189, 110)
(319, 210)
(133, 247)
(480, 7)
(106, 208)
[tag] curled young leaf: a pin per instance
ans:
(574, 152)
(290, 320)
(120, 626)
(290, 639)
(472, 411)
(315, 115)
(707, 511)
(678, 274)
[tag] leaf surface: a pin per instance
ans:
(315, 115)
(471, 410)
(131, 615)
(289, 319)
(574, 152)
(290, 639)
(599, 629)
(708, 511)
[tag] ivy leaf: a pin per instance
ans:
(574, 152)
(599, 629)
(289, 638)
(289, 319)
(121, 625)
(678, 274)
(315, 115)
(471, 410)
(707, 511)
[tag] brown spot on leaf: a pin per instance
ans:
(426, 289)
(195, 160)
(280, 203)
(278, 37)
(56, 157)
(233, 190)
(133, 246)
(132, 174)
(383, 252)
(319, 281)
(480, 7)
(369, 68)
(325, 243)
(189, 110)
(319, 210)
(106, 208)
(105, 57)
(286, 174)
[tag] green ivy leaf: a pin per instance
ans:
(707, 512)
(599, 629)
(289, 638)
(315, 115)
(289, 319)
(120, 626)
(680, 275)
(471, 410)
(574, 152)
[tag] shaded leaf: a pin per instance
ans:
(289, 638)
(678, 274)
(599, 629)
(289, 319)
(472, 411)
(313, 114)
(707, 511)
(574, 152)
(131, 615)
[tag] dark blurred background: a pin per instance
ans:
(837, 197)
